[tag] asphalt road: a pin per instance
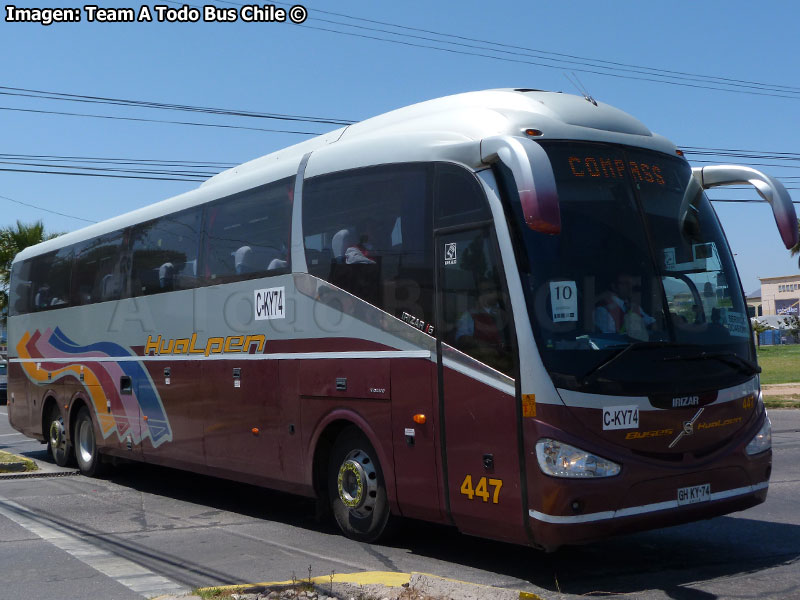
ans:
(149, 530)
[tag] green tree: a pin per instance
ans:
(792, 325)
(759, 327)
(14, 240)
(796, 247)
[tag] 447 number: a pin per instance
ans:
(482, 489)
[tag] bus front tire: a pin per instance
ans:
(89, 460)
(356, 488)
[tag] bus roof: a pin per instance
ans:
(441, 129)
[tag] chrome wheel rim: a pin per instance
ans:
(58, 437)
(357, 483)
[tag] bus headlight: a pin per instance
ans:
(562, 460)
(762, 440)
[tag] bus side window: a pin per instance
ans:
(50, 279)
(459, 197)
(368, 231)
(475, 315)
(164, 253)
(247, 235)
(93, 276)
(19, 294)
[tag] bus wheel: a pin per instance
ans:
(356, 488)
(57, 444)
(89, 460)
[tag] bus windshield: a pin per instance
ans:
(639, 289)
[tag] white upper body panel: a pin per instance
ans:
(448, 128)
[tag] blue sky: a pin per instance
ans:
(305, 70)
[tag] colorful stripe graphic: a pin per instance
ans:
(139, 415)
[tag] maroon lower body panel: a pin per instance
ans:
(648, 493)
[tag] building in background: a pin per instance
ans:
(754, 308)
(779, 296)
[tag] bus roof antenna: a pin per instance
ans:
(581, 89)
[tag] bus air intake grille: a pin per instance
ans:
(661, 456)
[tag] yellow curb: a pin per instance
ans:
(522, 595)
(387, 578)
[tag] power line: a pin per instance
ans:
(139, 119)
(121, 161)
(562, 61)
(48, 95)
(55, 212)
(194, 174)
(738, 89)
(583, 59)
(46, 172)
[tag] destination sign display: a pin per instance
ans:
(605, 167)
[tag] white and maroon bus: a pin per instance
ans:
(512, 311)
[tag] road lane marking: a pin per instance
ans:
(8, 434)
(132, 575)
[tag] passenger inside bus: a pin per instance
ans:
(619, 309)
(341, 241)
(42, 298)
(481, 331)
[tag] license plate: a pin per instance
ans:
(694, 494)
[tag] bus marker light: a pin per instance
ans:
(254, 431)
(533, 132)
(528, 405)
(145, 417)
(420, 419)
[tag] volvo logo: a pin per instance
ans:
(688, 428)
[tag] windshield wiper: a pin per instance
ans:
(591, 374)
(729, 358)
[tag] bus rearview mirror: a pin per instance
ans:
(767, 187)
(533, 176)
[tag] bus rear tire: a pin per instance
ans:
(57, 445)
(356, 487)
(89, 460)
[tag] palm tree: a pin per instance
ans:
(14, 240)
(759, 327)
(796, 247)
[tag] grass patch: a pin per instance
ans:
(7, 459)
(214, 593)
(787, 401)
(779, 364)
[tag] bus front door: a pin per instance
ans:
(477, 395)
